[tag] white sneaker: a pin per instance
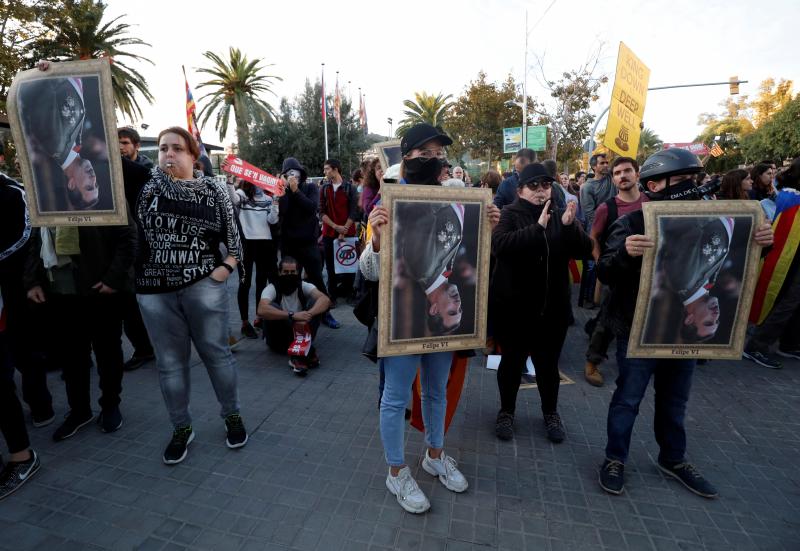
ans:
(409, 496)
(446, 469)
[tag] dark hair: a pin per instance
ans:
(790, 177)
(762, 191)
(621, 161)
(191, 143)
(437, 327)
(527, 154)
(492, 180)
(287, 260)
(699, 177)
(550, 167)
(334, 163)
(593, 159)
(248, 188)
(731, 187)
(130, 133)
(579, 174)
(357, 175)
(689, 334)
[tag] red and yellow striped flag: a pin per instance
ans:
(716, 150)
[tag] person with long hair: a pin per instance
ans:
(184, 220)
(423, 158)
(762, 175)
(257, 212)
(736, 184)
(372, 171)
(491, 180)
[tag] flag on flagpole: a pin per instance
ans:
(337, 102)
(191, 115)
(716, 150)
(324, 111)
(362, 111)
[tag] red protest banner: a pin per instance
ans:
(247, 172)
(698, 149)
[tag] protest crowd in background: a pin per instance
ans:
(100, 283)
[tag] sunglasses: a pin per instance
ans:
(545, 184)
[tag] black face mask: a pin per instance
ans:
(423, 171)
(680, 191)
(288, 284)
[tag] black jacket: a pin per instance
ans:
(531, 274)
(621, 272)
(107, 255)
(298, 214)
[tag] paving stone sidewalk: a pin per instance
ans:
(312, 475)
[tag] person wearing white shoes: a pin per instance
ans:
(423, 157)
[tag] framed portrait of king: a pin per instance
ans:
(698, 280)
(434, 270)
(65, 131)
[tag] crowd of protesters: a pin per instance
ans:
(96, 283)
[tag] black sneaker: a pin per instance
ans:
(110, 419)
(612, 476)
(137, 360)
(555, 428)
(178, 446)
(504, 426)
(73, 423)
(298, 366)
(237, 435)
(43, 419)
(16, 474)
(248, 331)
(792, 353)
(687, 475)
(762, 359)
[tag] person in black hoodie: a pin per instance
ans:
(532, 246)
(299, 224)
(83, 272)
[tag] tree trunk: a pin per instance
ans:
(242, 128)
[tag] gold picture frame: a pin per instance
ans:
(388, 153)
(696, 284)
(422, 233)
(65, 131)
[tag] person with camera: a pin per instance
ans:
(665, 175)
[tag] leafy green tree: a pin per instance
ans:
(77, 31)
(732, 125)
(298, 131)
(649, 143)
(22, 24)
(479, 115)
(237, 83)
(777, 138)
(771, 99)
(424, 108)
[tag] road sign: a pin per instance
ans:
(537, 138)
(512, 139)
(627, 103)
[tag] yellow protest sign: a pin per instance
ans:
(628, 99)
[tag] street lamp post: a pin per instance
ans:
(391, 128)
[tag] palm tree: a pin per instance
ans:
(236, 84)
(427, 108)
(78, 32)
(649, 143)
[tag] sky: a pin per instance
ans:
(390, 50)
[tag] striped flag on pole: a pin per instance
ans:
(362, 111)
(191, 115)
(337, 102)
(716, 150)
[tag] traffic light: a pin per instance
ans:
(734, 84)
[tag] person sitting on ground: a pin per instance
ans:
(286, 306)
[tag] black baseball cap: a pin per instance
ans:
(420, 134)
(534, 172)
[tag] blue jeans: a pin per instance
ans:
(672, 380)
(196, 314)
(400, 372)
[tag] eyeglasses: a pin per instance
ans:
(545, 184)
(431, 153)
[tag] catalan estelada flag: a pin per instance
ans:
(775, 267)
(575, 269)
(191, 116)
(455, 384)
(716, 150)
